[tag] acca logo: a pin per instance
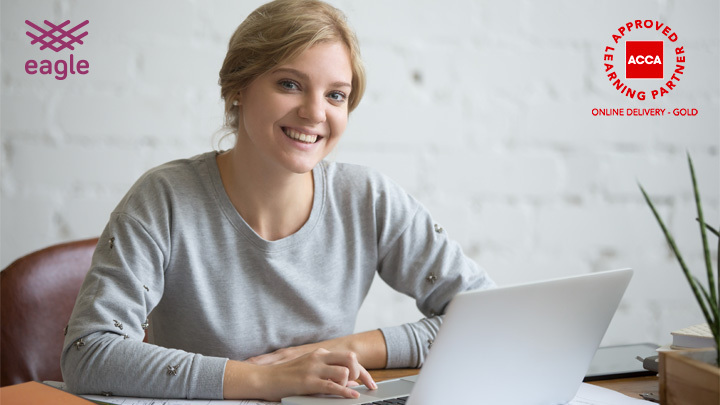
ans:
(647, 50)
(644, 59)
(57, 38)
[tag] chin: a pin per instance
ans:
(301, 167)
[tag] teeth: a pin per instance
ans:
(298, 136)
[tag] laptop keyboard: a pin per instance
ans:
(394, 401)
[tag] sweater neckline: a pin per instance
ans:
(242, 227)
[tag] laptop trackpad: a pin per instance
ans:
(388, 389)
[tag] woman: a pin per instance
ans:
(248, 267)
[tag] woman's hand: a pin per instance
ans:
(289, 353)
(316, 372)
(369, 346)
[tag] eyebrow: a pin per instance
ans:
(306, 77)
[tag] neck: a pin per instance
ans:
(275, 202)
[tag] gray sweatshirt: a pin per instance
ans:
(177, 259)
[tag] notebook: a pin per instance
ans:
(524, 344)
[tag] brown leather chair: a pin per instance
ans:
(37, 295)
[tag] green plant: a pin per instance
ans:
(707, 298)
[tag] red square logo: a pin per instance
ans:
(644, 59)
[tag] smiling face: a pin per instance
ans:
(293, 116)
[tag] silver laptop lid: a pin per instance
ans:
(524, 344)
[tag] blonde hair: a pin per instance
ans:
(277, 32)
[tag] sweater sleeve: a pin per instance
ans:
(425, 264)
(104, 350)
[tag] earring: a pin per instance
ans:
(235, 103)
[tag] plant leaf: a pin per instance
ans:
(710, 228)
(706, 248)
(713, 305)
(675, 250)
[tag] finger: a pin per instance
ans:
(331, 388)
(337, 374)
(351, 383)
(356, 371)
(367, 379)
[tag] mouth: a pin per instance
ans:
(301, 136)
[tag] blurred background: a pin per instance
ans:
(482, 110)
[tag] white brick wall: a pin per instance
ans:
(481, 109)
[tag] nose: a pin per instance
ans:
(313, 108)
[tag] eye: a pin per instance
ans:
(337, 96)
(288, 84)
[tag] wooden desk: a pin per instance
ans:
(631, 387)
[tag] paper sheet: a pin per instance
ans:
(156, 401)
(587, 394)
(150, 401)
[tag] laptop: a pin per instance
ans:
(524, 344)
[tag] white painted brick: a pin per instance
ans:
(410, 21)
(218, 19)
(387, 73)
(206, 112)
(374, 312)
(494, 21)
(136, 21)
(187, 63)
(408, 122)
(498, 173)
(26, 226)
(15, 124)
(64, 167)
(571, 124)
(117, 71)
(694, 133)
(13, 67)
(693, 19)
(509, 226)
(575, 21)
(516, 267)
(479, 226)
(683, 222)
(400, 167)
(157, 156)
(582, 175)
(15, 12)
(700, 76)
(583, 229)
(459, 217)
(86, 214)
(130, 117)
(661, 175)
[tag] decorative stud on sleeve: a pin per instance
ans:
(118, 324)
(106, 393)
(111, 242)
(145, 324)
(438, 229)
(65, 330)
(146, 288)
(172, 370)
(125, 336)
(432, 278)
(430, 342)
(79, 343)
